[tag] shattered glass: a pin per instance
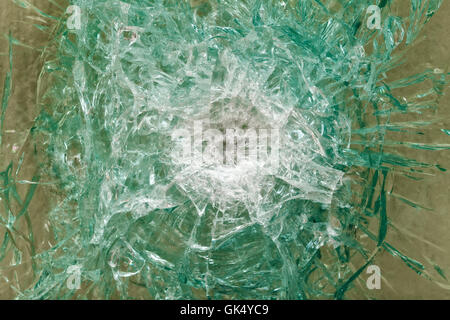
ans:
(135, 217)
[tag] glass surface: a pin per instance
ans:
(93, 183)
